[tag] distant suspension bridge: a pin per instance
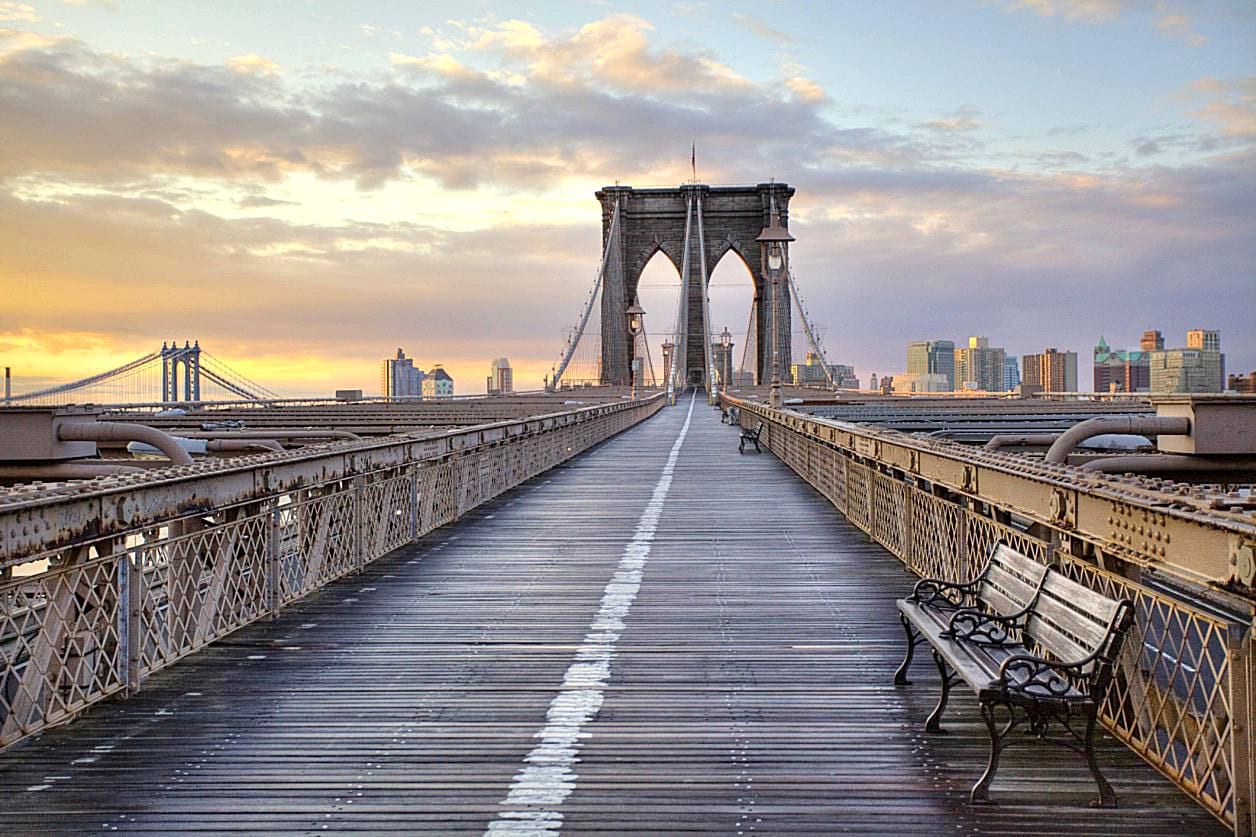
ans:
(174, 374)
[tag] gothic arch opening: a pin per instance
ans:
(658, 291)
(732, 293)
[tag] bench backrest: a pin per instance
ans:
(1010, 581)
(1072, 622)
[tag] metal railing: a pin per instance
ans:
(144, 587)
(1182, 696)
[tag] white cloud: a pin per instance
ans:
(253, 64)
(762, 29)
(1083, 11)
(17, 12)
(806, 90)
(1178, 25)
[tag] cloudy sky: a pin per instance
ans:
(305, 186)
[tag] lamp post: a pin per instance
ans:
(668, 348)
(636, 315)
(774, 239)
(726, 346)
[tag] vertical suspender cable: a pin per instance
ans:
(745, 349)
(811, 337)
(588, 308)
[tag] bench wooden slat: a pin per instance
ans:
(995, 601)
(1022, 565)
(1070, 621)
(1081, 598)
(1007, 593)
(1086, 633)
(1055, 642)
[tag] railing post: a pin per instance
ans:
(414, 503)
(273, 595)
(130, 596)
(359, 524)
(1239, 638)
(961, 546)
(909, 553)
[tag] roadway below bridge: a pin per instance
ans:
(660, 635)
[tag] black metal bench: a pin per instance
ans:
(1025, 638)
(748, 435)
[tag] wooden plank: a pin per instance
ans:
(1016, 595)
(1079, 598)
(1083, 630)
(1021, 565)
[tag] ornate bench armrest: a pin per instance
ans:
(981, 628)
(933, 591)
(1025, 673)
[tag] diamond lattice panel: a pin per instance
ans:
(62, 648)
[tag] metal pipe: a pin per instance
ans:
(1011, 440)
(1170, 463)
(1141, 425)
(65, 471)
(112, 431)
(270, 435)
(235, 445)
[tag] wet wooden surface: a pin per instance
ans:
(750, 691)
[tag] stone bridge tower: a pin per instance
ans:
(717, 220)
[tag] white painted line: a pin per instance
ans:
(548, 776)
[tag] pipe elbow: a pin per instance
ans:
(1140, 425)
(112, 431)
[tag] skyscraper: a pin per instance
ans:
(1011, 373)
(400, 379)
(980, 367)
(1152, 341)
(932, 357)
(1206, 339)
(501, 378)
(1200, 367)
(1186, 370)
(1116, 370)
(812, 373)
(1052, 371)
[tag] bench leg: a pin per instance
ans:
(934, 723)
(757, 449)
(981, 791)
(1107, 797)
(741, 446)
(913, 639)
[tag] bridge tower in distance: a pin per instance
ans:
(695, 225)
(173, 359)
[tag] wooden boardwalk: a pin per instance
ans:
(558, 658)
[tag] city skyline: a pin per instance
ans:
(306, 187)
